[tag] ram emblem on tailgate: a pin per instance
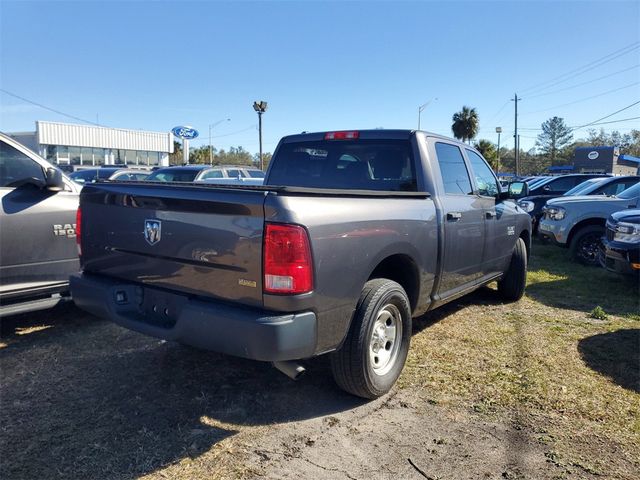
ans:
(152, 231)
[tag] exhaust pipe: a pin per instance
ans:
(291, 369)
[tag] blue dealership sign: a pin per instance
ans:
(186, 133)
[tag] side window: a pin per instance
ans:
(615, 188)
(487, 184)
(212, 174)
(233, 173)
(563, 184)
(15, 166)
(454, 171)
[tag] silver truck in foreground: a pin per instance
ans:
(352, 235)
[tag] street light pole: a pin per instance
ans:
(498, 131)
(260, 107)
(211, 125)
(421, 109)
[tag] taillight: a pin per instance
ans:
(345, 135)
(79, 230)
(288, 267)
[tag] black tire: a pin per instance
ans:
(511, 286)
(352, 364)
(586, 243)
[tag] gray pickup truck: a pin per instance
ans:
(352, 235)
(38, 252)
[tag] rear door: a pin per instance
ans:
(464, 225)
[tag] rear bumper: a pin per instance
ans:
(242, 332)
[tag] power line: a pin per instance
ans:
(585, 68)
(49, 108)
(617, 121)
(607, 116)
(582, 99)
(531, 129)
(583, 83)
(202, 139)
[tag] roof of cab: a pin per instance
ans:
(375, 134)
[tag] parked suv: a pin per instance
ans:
(548, 188)
(37, 230)
(578, 222)
(231, 171)
(621, 245)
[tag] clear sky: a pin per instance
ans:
(320, 65)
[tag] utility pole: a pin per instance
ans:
(210, 148)
(422, 107)
(498, 131)
(211, 125)
(516, 137)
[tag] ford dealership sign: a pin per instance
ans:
(593, 155)
(186, 133)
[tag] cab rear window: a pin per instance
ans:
(382, 165)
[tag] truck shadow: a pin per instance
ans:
(615, 355)
(87, 399)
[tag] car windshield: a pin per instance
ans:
(173, 175)
(586, 187)
(629, 193)
(83, 176)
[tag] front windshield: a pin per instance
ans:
(585, 187)
(632, 192)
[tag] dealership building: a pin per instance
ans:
(90, 145)
(604, 160)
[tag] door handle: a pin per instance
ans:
(454, 216)
(491, 214)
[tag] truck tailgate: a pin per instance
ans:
(198, 240)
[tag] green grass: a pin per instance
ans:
(544, 360)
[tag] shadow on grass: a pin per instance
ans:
(615, 355)
(482, 296)
(557, 281)
(88, 399)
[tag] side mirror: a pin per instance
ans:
(54, 181)
(518, 190)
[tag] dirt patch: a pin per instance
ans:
(402, 436)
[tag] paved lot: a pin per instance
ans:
(82, 398)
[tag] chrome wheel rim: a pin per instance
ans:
(385, 340)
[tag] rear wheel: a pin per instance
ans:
(585, 244)
(511, 286)
(376, 347)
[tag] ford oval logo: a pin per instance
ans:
(186, 133)
(593, 155)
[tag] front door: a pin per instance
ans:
(499, 217)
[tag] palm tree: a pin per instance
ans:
(465, 124)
